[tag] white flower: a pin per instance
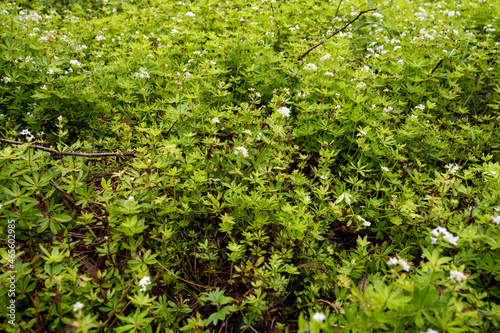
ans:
(50, 71)
(395, 261)
(420, 107)
(99, 38)
(174, 31)
(242, 150)
(77, 306)
(284, 111)
(447, 236)
(75, 63)
(453, 168)
(190, 14)
(131, 198)
(215, 120)
(6, 79)
(328, 74)
(386, 169)
(307, 199)
(497, 219)
(248, 132)
(457, 277)
(377, 15)
(325, 57)
(319, 317)
(361, 85)
(361, 133)
(258, 94)
(400, 61)
(145, 281)
(44, 87)
(367, 224)
(213, 62)
(60, 118)
(25, 132)
(430, 330)
(310, 67)
(1, 205)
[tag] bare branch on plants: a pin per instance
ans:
(60, 153)
(335, 33)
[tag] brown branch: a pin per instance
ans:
(336, 32)
(55, 152)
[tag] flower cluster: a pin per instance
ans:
(29, 137)
(395, 261)
(75, 63)
(142, 73)
(77, 306)
(457, 277)
(243, 151)
(215, 120)
(453, 168)
(447, 236)
(145, 281)
(319, 317)
(284, 111)
(310, 67)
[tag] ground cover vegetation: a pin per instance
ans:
(251, 185)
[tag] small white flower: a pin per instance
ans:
(361, 133)
(99, 38)
(497, 219)
(361, 85)
(307, 199)
(377, 15)
(248, 132)
(25, 132)
(457, 277)
(145, 281)
(325, 57)
(50, 71)
(284, 111)
(395, 261)
(323, 177)
(453, 168)
(430, 330)
(174, 31)
(75, 63)
(1, 205)
(60, 118)
(243, 151)
(77, 306)
(215, 120)
(131, 198)
(189, 14)
(311, 67)
(386, 169)
(328, 74)
(447, 236)
(420, 107)
(319, 317)
(367, 224)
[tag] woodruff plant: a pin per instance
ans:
(243, 188)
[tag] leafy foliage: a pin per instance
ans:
(357, 190)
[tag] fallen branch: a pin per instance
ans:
(55, 152)
(336, 32)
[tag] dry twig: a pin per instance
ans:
(60, 153)
(336, 32)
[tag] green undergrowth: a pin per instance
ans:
(356, 190)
